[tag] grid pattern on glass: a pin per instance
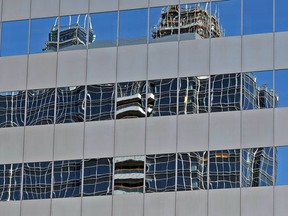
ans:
(37, 180)
(192, 171)
(129, 174)
(257, 167)
(10, 182)
(162, 97)
(12, 109)
(225, 92)
(67, 178)
(160, 173)
(98, 177)
(224, 169)
(70, 104)
(131, 100)
(40, 107)
(100, 100)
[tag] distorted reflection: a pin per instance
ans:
(160, 172)
(224, 171)
(281, 165)
(98, 177)
(162, 97)
(37, 180)
(192, 171)
(133, 27)
(257, 167)
(225, 92)
(281, 97)
(100, 100)
(129, 174)
(70, 104)
(131, 98)
(14, 38)
(258, 90)
(40, 107)
(105, 29)
(12, 108)
(10, 182)
(67, 178)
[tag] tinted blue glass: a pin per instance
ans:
(281, 165)
(281, 99)
(281, 15)
(15, 38)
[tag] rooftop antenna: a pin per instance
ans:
(85, 18)
(70, 21)
(55, 23)
(78, 18)
(206, 6)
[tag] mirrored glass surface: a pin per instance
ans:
(281, 165)
(15, 38)
(70, 104)
(197, 23)
(257, 167)
(162, 97)
(226, 16)
(40, 107)
(67, 178)
(37, 180)
(192, 171)
(281, 11)
(98, 177)
(10, 182)
(100, 100)
(258, 90)
(160, 173)
(281, 93)
(224, 169)
(74, 33)
(131, 100)
(104, 26)
(225, 92)
(257, 16)
(41, 29)
(164, 24)
(133, 27)
(129, 174)
(12, 109)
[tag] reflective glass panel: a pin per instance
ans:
(74, 33)
(226, 16)
(37, 180)
(257, 90)
(258, 16)
(281, 165)
(225, 92)
(104, 26)
(67, 178)
(40, 107)
(281, 97)
(12, 108)
(281, 15)
(98, 177)
(224, 171)
(70, 104)
(192, 171)
(164, 23)
(15, 38)
(160, 172)
(100, 100)
(133, 27)
(39, 36)
(162, 97)
(129, 174)
(257, 167)
(10, 182)
(131, 100)
(195, 22)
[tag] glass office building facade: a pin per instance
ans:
(143, 107)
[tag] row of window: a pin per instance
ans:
(264, 166)
(185, 95)
(167, 23)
